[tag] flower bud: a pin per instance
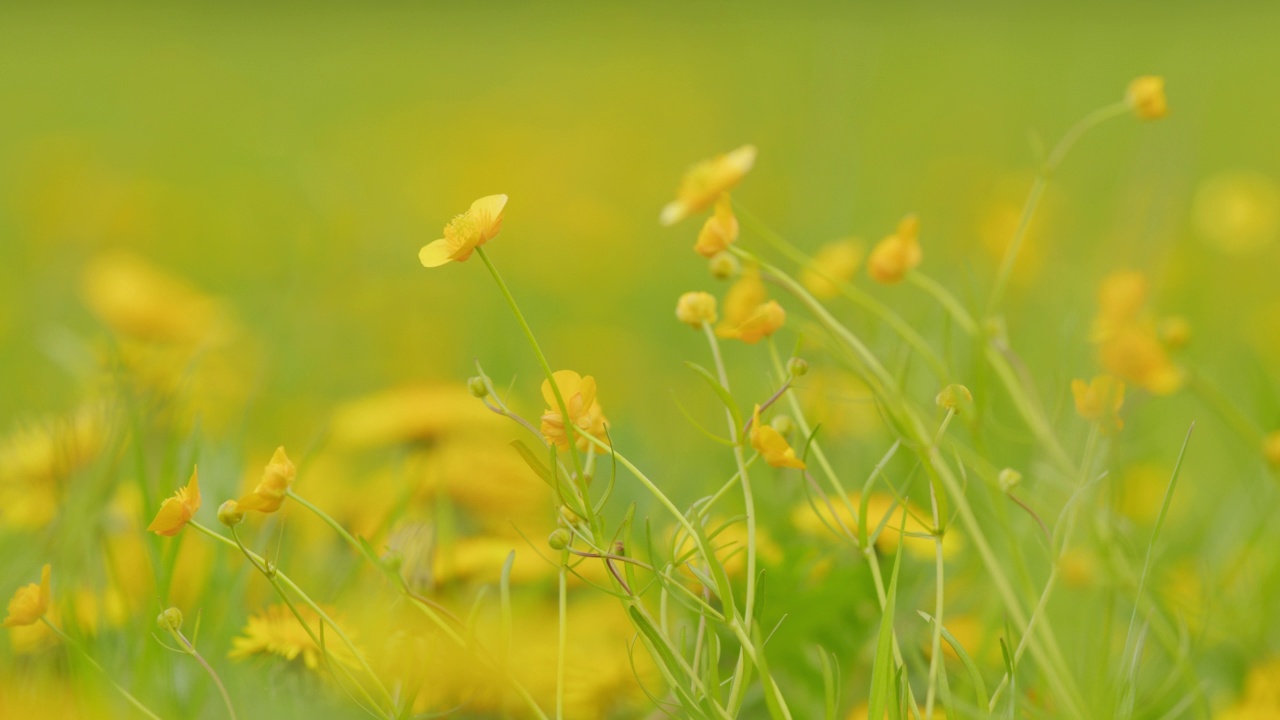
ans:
(724, 265)
(783, 424)
(797, 367)
(1146, 96)
(559, 539)
(170, 619)
(695, 308)
(477, 387)
(954, 397)
(568, 516)
(1008, 479)
(230, 514)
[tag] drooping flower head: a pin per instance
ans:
(703, 183)
(1146, 96)
(834, 263)
(895, 256)
(695, 308)
(764, 321)
(177, 511)
(771, 445)
(30, 602)
(719, 231)
(270, 491)
(466, 232)
(749, 315)
(1099, 401)
(579, 393)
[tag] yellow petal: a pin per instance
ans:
(436, 253)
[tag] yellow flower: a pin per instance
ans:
(719, 231)
(834, 263)
(1271, 448)
(919, 540)
(744, 296)
(270, 492)
(276, 631)
(177, 511)
(579, 393)
(706, 181)
(1128, 338)
(1121, 297)
(138, 300)
(407, 414)
(30, 602)
(764, 321)
(771, 445)
(1099, 400)
(1237, 213)
(696, 308)
(466, 232)
(893, 257)
(1146, 96)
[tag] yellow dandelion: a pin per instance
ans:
(275, 630)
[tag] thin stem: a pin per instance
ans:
(936, 651)
(191, 650)
(85, 654)
(562, 639)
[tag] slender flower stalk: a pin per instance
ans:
(135, 702)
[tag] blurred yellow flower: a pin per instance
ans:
(30, 602)
(695, 308)
(1146, 96)
(1237, 213)
(37, 460)
(742, 299)
(919, 541)
(275, 630)
(771, 445)
(896, 255)
(703, 183)
(412, 413)
(270, 491)
(579, 393)
(719, 231)
(177, 511)
(1271, 448)
(466, 232)
(138, 300)
(1261, 697)
(1128, 338)
(834, 263)
(1099, 401)
(764, 321)
(480, 559)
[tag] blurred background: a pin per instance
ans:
(271, 172)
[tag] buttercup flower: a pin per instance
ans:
(771, 445)
(30, 602)
(834, 263)
(1099, 401)
(579, 393)
(270, 492)
(695, 308)
(177, 511)
(744, 296)
(1146, 96)
(764, 321)
(1129, 342)
(706, 181)
(466, 232)
(893, 257)
(719, 231)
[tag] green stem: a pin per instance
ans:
(191, 650)
(562, 638)
(85, 654)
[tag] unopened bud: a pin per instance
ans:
(568, 516)
(954, 397)
(559, 539)
(230, 514)
(170, 619)
(798, 367)
(478, 388)
(1008, 479)
(724, 265)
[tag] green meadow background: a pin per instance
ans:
(291, 159)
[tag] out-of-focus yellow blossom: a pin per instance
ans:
(30, 602)
(764, 321)
(834, 263)
(896, 255)
(1271, 448)
(36, 461)
(1146, 96)
(841, 402)
(414, 413)
(1079, 567)
(1261, 697)
(484, 478)
(275, 630)
(878, 506)
(695, 308)
(1099, 401)
(466, 232)
(729, 543)
(742, 299)
(1127, 337)
(771, 445)
(1174, 331)
(33, 695)
(177, 511)
(719, 231)
(1237, 213)
(138, 300)
(705, 182)
(579, 393)
(480, 559)
(270, 491)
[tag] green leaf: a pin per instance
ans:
(882, 669)
(975, 675)
(534, 462)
